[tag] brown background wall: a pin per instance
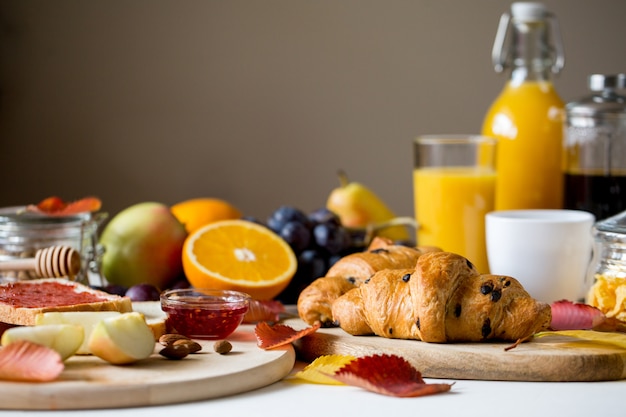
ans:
(257, 102)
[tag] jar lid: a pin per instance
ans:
(614, 224)
(605, 100)
(19, 216)
(601, 82)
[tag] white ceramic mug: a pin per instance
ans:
(547, 251)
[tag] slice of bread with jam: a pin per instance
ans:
(22, 301)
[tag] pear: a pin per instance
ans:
(358, 206)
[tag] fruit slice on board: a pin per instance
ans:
(85, 319)
(63, 338)
(239, 255)
(122, 339)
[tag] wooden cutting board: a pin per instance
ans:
(549, 358)
(88, 382)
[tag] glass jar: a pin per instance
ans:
(22, 233)
(607, 272)
(595, 148)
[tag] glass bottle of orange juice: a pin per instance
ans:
(527, 116)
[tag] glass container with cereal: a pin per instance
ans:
(608, 267)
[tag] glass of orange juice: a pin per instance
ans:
(454, 188)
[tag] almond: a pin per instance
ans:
(192, 346)
(169, 338)
(174, 351)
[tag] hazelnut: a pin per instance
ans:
(222, 347)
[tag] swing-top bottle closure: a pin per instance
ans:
(513, 45)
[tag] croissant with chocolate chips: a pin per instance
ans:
(442, 299)
(314, 302)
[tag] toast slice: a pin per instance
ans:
(22, 301)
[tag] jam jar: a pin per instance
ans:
(22, 233)
(607, 272)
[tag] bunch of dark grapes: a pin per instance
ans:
(318, 239)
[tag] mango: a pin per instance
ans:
(143, 244)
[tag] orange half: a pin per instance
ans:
(239, 255)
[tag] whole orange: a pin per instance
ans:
(197, 212)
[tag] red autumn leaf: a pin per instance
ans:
(271, 336)
(567, 315)
(55, 206)
(263, 310)
(27, 361)
(388, 375)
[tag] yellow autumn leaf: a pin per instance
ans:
(610, 338)
(317, 371)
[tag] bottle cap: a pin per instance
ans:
(528, 11)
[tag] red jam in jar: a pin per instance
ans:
(203, 313)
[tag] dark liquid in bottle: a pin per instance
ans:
(601, 195)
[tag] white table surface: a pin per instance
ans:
(291, 397)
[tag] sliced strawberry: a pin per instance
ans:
(567, 315)
(30, 362)
(271, 336)
(388, 375)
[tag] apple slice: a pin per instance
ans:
(122, 340)
(86, 319)
(154, 315)
(63, 338)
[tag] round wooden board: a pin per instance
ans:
(89, 382)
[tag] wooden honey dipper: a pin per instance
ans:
(51, 262)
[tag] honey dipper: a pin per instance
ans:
(51, 262)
